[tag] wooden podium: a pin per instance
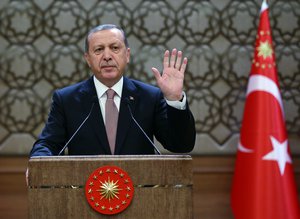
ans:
(162, 186)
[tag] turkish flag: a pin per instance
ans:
(263, 183)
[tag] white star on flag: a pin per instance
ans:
(279, 153)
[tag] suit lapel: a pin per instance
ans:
(88, 94)
(129, 92)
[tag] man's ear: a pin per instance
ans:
(128, 55)
(87, 58)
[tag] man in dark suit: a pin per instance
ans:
(161, 112)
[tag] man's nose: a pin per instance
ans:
(107, 54)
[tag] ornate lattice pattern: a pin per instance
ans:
(41, 48)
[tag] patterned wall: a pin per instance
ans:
(41, 48)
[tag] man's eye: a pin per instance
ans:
(97, 50)
(115, 48)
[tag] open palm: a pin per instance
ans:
(172, 77)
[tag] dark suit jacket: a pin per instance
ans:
(175, 129)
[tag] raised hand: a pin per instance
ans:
(172, 77)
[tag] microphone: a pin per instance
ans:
(95, 98)
(127, 101)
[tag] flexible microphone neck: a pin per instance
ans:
(83, 122)
(127, 101)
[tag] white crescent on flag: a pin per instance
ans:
(244, 149)
(264, 84)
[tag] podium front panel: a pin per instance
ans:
(162, 186)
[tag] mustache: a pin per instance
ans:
(108, 64)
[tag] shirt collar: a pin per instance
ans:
(101, 88)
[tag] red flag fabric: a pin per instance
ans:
(263, 183)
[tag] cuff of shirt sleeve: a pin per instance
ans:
(181, 105)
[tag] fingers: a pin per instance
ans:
(175, 60)
(184, 64)
(166, 59)
(178, 61)
(156, 73)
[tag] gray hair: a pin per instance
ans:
(104, 27)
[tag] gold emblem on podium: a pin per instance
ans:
(109, 190)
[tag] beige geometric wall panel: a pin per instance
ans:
(41, 49)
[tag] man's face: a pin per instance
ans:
(107, 56)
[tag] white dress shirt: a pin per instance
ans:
(101, 93)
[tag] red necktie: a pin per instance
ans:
(111, 119)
